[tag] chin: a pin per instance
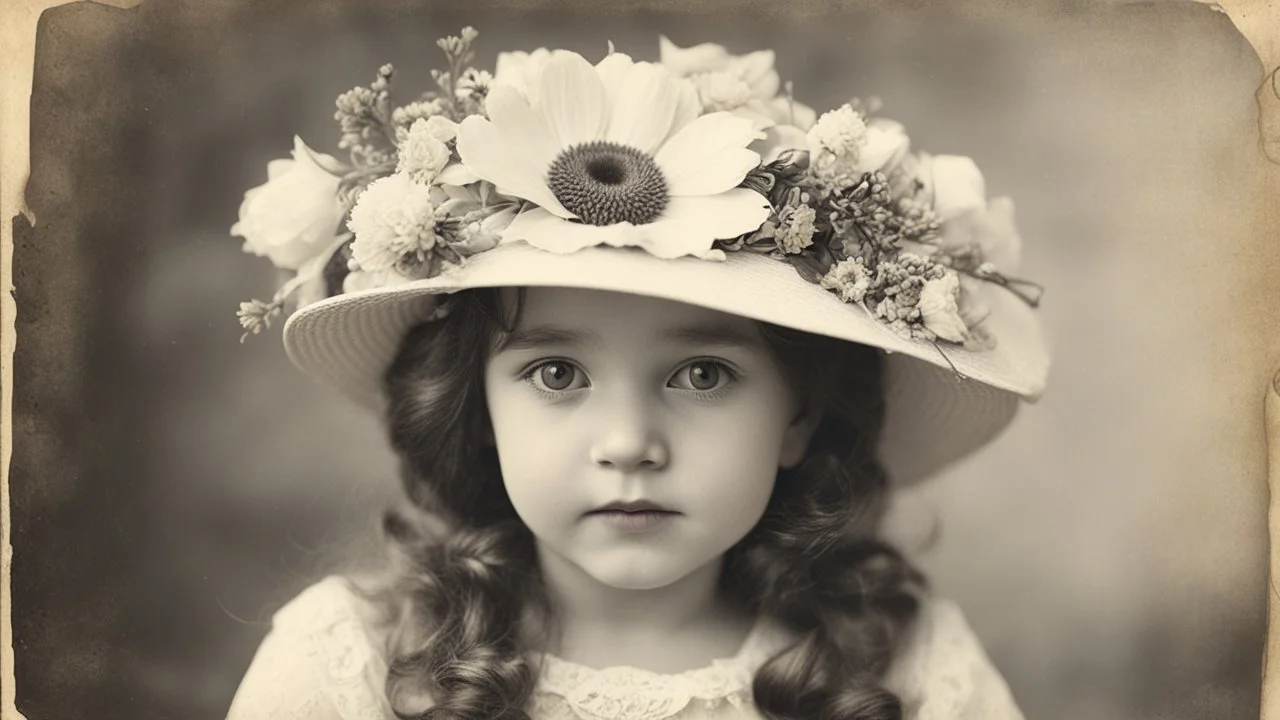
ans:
(636, 575)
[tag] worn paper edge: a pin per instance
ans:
(1257, 20)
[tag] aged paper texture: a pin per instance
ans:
(171, 487)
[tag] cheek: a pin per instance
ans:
(532, 462)
(735, 471)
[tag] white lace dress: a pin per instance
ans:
(319, 662)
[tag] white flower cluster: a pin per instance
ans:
(394, 222)
(745, 85)
(848, 279)
(835, 147)
(423, 153)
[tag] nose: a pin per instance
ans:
(627, 439)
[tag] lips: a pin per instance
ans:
(636, 516)
(634, 506)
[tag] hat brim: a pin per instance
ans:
(943, 401)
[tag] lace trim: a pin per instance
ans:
(337, 643)
(942, 674)
(638, 694)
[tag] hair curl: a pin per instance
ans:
(464, 596)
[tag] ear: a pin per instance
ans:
(795, 441)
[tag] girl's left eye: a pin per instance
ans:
(702, 376)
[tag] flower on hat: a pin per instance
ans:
(939, 309)
(747, 85)
(614, 154)
(958, 192)
(394, 222)
(423, 154)
(835, 147)
(292, 217)
(843, 146)
(755, 69)
(849, 279)
(721, 91)
(519, 70)
(701, 154)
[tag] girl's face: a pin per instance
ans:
(600, 399)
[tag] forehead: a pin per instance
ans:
(602, 309)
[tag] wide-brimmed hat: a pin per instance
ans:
(691, 180)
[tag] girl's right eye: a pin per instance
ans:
(555, 376)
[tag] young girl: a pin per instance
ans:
(654, 345)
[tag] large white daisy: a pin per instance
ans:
(615, 154)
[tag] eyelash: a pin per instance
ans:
(719, 392)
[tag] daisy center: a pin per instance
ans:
(605, 183)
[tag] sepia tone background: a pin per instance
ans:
(172, 487)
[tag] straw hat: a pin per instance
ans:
(691, 180)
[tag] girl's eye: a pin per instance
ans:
(554, 376)
(701, 376)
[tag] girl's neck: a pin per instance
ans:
(669, 629)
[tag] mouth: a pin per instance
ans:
(634, 506)
(633, 517)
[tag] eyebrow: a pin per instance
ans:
(709, 335)
(543, 335)
(713, 336)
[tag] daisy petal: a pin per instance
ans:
(545, 231)
(572, 100)
(612, 69)
(689, 225)
(456, 174)
(512, 150)
(688, 107)
(645, 104)
(779, 139)
(708, 155)
(757, 112)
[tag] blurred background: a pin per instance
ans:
(172, 487)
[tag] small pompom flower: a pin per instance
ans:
(394, 223)
(849, 279)
(422, 154)
(795, 226)
(835, 144)
(840, 132)
(796, 232)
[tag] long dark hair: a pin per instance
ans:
(464, 596)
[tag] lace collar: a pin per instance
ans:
(631, 692)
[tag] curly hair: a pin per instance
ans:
(464, 596)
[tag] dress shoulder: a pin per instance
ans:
(317, 662)
(943, 673)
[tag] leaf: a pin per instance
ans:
(810, 268)
(760, 180)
